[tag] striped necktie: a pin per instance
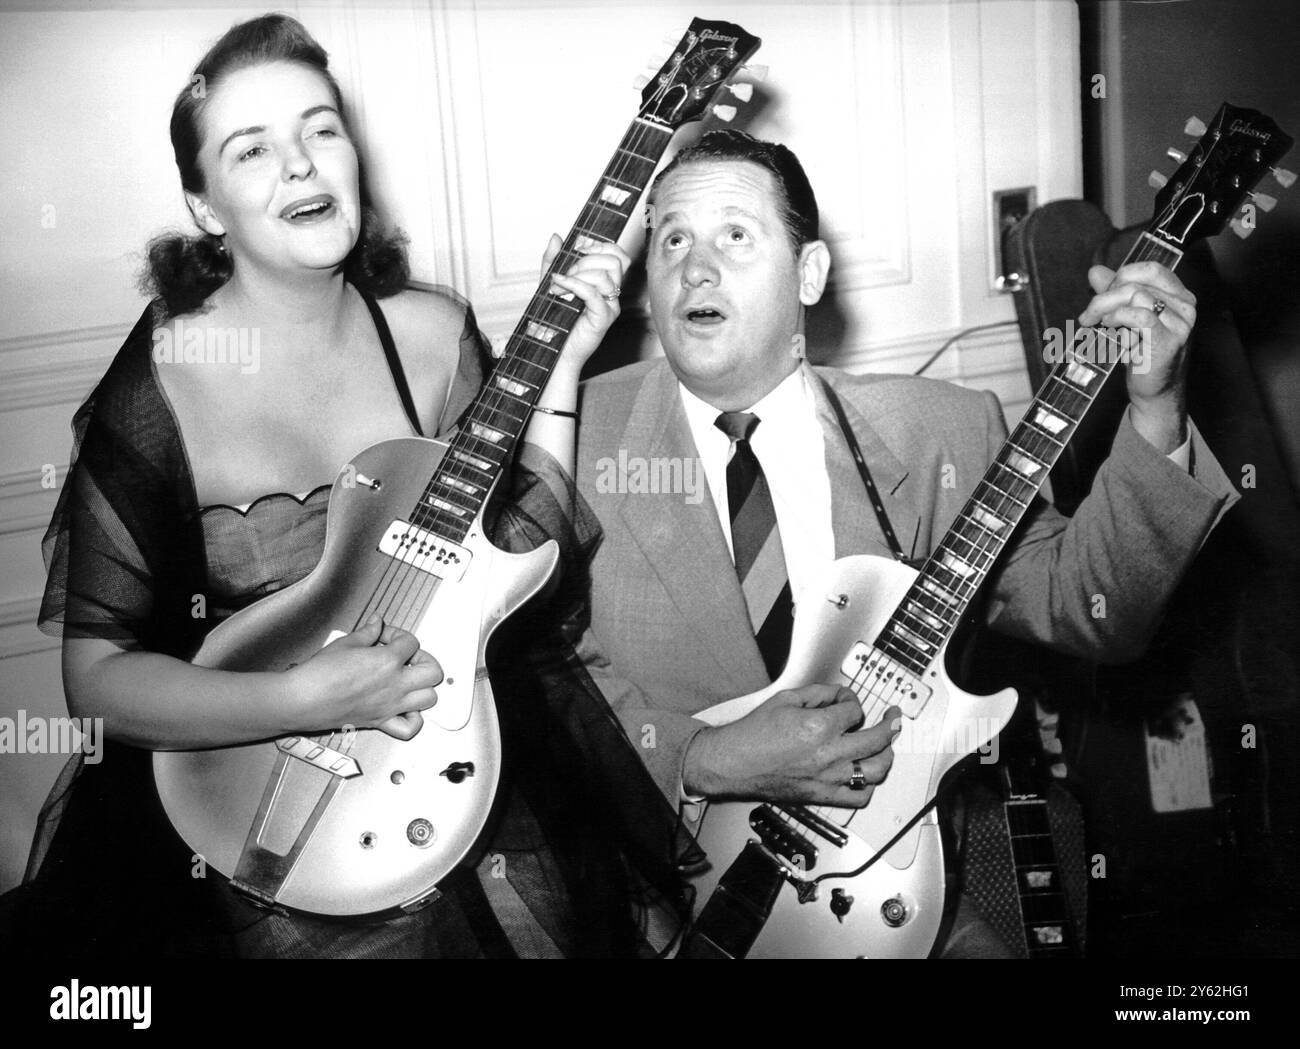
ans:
(756, 542)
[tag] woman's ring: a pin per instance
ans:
(1158, 307)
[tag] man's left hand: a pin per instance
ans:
(596, 279)
(1157, 370)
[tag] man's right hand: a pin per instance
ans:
(800, 746)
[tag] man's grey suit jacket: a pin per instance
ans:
(669, 632)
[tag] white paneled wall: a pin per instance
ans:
(485, 125)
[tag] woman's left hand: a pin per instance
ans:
(596, 279)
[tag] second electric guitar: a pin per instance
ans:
(807, 881)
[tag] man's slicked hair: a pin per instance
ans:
(798, 204)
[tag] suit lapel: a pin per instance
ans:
(856, 529)
(683, 542)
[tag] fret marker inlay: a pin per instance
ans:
(1022, 464)
(1080, 374)
(988, 519)
(486, 433)
(1053, 424)
(473, 460)
(540, 332)
(614, 195)
(512, 386)
(951, 561)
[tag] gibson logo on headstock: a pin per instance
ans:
(1241, 127)
(709, 34)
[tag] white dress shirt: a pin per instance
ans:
(791, 449)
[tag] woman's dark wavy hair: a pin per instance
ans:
(183, 271)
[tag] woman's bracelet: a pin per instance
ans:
(556, 411)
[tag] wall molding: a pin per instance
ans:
(56, 367)
(19, 635)
(16, 490)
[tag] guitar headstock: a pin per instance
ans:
(1234, 152)
(705, 58)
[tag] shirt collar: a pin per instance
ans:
(789, 402)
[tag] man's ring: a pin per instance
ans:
(858, 781)
(1158, 307)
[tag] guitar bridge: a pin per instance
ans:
(782, 839)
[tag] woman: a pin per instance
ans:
(198, 488)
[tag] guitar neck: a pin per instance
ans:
(495, 420)
(1049, 929)
(954, 572)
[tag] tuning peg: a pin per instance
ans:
(724, 113)
(1264, 201)
(757, 71)
(1284, 178)
(1241, 229)
(656, 62)
(671, 41)
(1176, 155)
(1156, 180)
(744, 92)
(640, 82)
(1195, 127)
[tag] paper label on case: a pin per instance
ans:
(1179, 768)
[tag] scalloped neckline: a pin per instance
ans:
(301, 500)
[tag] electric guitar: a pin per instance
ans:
(818, 881)
(357, 822)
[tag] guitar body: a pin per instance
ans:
(367, 852)
(950, 725)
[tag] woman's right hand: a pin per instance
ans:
(375, 677)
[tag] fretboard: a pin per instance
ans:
(1049, 929)
(495, 420)
(955, 570)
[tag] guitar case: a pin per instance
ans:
(1203, 881)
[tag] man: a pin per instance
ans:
(733, 260)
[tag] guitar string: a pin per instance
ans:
(875, 698)
(542, 306)
(981, 548)
(639, 134)
(405, 581)
(492, 402)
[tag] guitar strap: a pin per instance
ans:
(743, 900)
(873, 495)
(738, 908)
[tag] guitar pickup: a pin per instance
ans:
(423, 550)
(779, 838)
(869, 669)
